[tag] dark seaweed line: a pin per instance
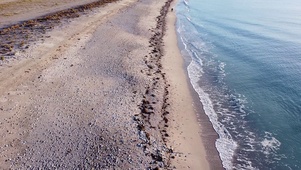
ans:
(19, 36)
(153, 62)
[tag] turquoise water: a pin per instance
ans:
(245, 64)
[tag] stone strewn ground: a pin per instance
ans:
(18, 36)
(13, 11)
(91, 95)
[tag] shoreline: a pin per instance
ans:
(200, 131)
(185, 132)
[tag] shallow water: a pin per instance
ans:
(245, 66)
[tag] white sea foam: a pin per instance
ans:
(186, 2)
(225, 144)
(270, 144)
(188, 19)
(248, 165)
(241, 143)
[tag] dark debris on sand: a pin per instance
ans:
(161, 155)
(20, 35)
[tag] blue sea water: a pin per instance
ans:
(245, 63)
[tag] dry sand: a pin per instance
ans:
(92, 93)
(185, 129)
(12, 11)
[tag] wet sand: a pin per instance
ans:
(99, 91)
(192, 134)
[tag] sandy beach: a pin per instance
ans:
(98, 86)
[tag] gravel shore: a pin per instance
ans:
(85, 88)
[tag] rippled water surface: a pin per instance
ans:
(246, 67)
